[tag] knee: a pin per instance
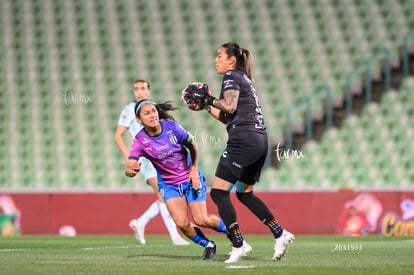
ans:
(218, 195)
(244, 197)
(183, 225)
(200, 221)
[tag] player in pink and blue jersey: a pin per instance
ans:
(128, 122)
(174, 154)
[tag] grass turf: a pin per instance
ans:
(122, 255)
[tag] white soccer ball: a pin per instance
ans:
(67, 231)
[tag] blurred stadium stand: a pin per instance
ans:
(67, 67)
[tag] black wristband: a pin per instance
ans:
(210, 100)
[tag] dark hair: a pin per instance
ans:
(243, 57)
(143, 81)
(163, 109)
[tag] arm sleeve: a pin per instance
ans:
(181, 133)
(230, 82)
(135, 151)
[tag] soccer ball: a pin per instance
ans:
(67, 231)
(192, 104)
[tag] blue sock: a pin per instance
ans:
(222, 227)
(200, 240)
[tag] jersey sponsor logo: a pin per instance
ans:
(166, 157)
(228, 83)
(161, 148)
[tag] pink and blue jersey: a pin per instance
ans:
(165, 151)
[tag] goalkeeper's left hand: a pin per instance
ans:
(199, 94)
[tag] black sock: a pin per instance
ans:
(228, 214)
(259, 208)
(201, 234)
(235, 235)
(275, 227)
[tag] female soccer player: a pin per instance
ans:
(128, 122)
(242, 160)
(165, 143)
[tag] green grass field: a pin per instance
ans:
(122, 255)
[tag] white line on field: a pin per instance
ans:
(14, 249)
(240, 266)
(109, 247)
(117, 247)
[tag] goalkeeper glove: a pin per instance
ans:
(199, 94)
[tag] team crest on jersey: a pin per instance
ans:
(173, 139)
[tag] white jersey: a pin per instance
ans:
(128, 120)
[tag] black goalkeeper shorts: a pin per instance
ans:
(244, 157)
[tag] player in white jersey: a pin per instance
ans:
(127, 121)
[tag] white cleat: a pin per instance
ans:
(282, 244)
(238, 252)
(180, 241)
(139, 231)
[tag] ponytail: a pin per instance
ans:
(164, 109)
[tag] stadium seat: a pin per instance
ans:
(97, 48)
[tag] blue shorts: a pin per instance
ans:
(147, 170)
(185, 189)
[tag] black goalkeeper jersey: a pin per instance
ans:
(248, 115)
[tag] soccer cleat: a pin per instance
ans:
(282, 245)
(209, 252)
(247, 251)
(138, 230)
(238, 252)
(180, 241)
